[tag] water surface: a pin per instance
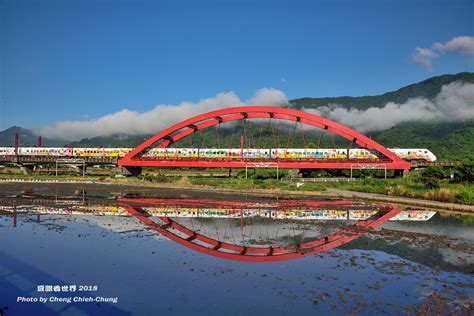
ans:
(398, 267)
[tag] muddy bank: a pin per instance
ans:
(442, 206)
(202, 191)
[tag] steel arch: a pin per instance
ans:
(187, 127)
(224, 250)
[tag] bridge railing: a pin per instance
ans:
(422, 163)
(53, 159)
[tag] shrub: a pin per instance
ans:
(432, 183)
(444, 195)
(465, 170)
(160, 177)
(436, 172)
(465, 197)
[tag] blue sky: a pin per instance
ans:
(84, 59)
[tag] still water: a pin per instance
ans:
(106, 251)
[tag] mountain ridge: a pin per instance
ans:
(427, 88)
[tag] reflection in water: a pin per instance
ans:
(215, 247)
(100, 241)
(175, 219)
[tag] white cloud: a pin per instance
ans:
(424, 57)
(268, 96)
(455, 102)
(162, 116)
(463, 45)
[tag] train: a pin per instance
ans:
(409, 154)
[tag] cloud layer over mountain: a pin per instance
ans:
(153, 121)
(455, 102)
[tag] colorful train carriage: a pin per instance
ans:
(221, 153)
(175, 153)
(100, 152)
(45, 151)
(361, 153)
(414, 154)
(309, 153)
(7, 151)
(256, 153)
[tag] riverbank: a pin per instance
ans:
(295, 192)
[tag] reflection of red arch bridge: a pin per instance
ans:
(194, 239)
(190, 238)
(168, 137)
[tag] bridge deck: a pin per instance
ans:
(228, 162)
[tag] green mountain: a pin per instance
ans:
(428, 88)
(446, 140)
(26, 138)
(119, 140)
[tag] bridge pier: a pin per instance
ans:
(401, 173)
(27, 169)
(81, 169)
(131, 171)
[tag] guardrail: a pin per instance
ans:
(321, 180)
(420, 163)
(114, 160)
(45, 180)
(53, 159)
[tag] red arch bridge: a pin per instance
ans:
(238, 129)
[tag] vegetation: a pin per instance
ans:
(432, 183)
(448, 141)
(467, 219)
(412, 188)
(256, 179)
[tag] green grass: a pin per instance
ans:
(468, 219)
(409, 187)
(251, 183)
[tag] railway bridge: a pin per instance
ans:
(238, 131)
(273, 118)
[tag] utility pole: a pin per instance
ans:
(16, 146)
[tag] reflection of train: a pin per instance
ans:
(214, 212)
(304, 214)
(220, 153)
